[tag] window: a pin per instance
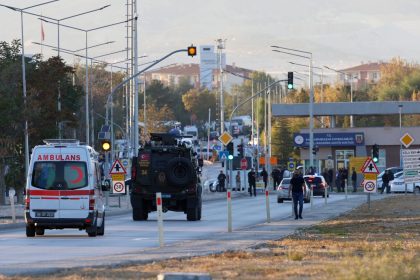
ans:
(59, 175)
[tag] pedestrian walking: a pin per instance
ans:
(298, 190)
(275, 174)
(386, 178)
(354, 179)
(221, 179)
(252, 182)
(238, 181)
(264, 175)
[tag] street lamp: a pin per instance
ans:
(311, 95)
(350, 77)
(86, 63)
(26, 136)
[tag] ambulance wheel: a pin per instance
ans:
(39, 231)
(92, 231)
(30, 230)
(101, 229)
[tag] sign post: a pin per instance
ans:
(229, 209)
(159, 217)
(370, 172)
(267, 205)
(411, 165)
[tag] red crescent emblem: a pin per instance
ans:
(79, 174)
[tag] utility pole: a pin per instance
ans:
(220, 47)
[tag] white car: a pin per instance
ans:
(398, 185)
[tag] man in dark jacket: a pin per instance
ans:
(298, 190)
(264, 175)
(354, 179)
(221, 179)
(276, 177)
(252, 182)
(386, 178)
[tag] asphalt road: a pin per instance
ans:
(128, 241)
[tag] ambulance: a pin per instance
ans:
(63, 189)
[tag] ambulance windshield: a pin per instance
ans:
(59, 175)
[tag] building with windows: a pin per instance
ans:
(362, 75)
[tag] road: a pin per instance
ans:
(126, 240)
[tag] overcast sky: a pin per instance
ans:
(339, 33)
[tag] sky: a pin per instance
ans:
(338, 33)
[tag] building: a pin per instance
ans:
(363, 74)
(173, 74)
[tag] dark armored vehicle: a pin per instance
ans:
(170, 167)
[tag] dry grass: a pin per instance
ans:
(383, 243)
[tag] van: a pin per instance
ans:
(63, 189)
(192, 130)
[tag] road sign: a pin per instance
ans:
(118, 187)
(411, 152)
(117, 177)
(329, 163)
(225, 138)
(357, 163)
(369, 186)
(369, 167)
(407, 140)
(370, 176)
(244, 164)
(223, 155)
(291, 165)
(117, 168)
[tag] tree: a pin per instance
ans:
(198, 102)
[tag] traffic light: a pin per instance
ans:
(105, 145)
(375, 153)
(192, 51)
(240, 150)
(230, 148)
(315, 150)
(290, 80)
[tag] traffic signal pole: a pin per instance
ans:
(119, 86)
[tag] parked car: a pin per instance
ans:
(318, 183)
(283, 191)
(398, 184)
(394, 170)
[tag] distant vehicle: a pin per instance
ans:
(192, 130)
(204, 153)
(394, 170)
(317, 183)
(398, 184)
(283, 191)
(214, 135)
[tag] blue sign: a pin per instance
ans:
(217, 147)
(330, 139)
(291, 165)
(223, 154)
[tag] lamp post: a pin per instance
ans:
(86, 63)
(311, 95)
(350, 77)
(400, 106)
(220, 47)
(26, 135)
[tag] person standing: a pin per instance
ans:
(275, 174)
(221, 179)
(264, 175)
(354, 179)
(252, 182)
(298, 190)
(386, 178)
(238, 181)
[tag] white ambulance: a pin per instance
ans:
(63, 189)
